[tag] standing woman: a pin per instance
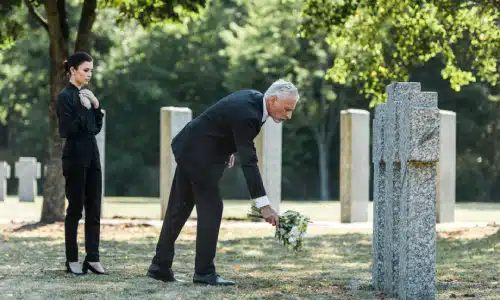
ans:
(80, 119)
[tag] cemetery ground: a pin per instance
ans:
(336, 262)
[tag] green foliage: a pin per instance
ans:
(11, 23)
(379, 41)
(149, 12)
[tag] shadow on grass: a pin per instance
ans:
(260, 267)
(330, 267)
(30, 226)
(132, 200)
(474, 261)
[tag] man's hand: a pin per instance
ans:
(230, 164)
(270, 215)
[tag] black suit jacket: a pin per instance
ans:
(228, 126)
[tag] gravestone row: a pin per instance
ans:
(27, 171)
(355, 165)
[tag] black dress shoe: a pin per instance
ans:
(211, 279)
(86, 266)
(68, 270)
(165, 275)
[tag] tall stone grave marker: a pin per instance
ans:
(268, 144)
(101, 145)
(4, 175)
(28, 170)
(354, 165)
(387, 187)
(380, 249)
(420, 155)
(446, 180)
(406, 152)
(172, 120)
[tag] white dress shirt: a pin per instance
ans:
(262, 201)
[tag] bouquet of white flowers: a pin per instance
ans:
(291, 230)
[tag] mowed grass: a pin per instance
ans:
(335, 265)
(149, 208)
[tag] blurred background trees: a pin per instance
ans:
(234, 44)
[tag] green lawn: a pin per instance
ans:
(149, 208)
(335, 265)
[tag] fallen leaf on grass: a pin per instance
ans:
(237, 268)
(380, 296)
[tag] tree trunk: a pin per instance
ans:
(53, 188)
(323, 169)
(87, 19)
(58, 28)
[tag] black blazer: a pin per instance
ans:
(228, 126)
(79, 126)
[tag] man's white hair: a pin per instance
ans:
(281, 88)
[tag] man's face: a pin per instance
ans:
(281, 109)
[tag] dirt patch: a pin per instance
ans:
(468, 233)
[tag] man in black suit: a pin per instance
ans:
(202, 150)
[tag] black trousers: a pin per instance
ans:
(184, 194)
(83, 189)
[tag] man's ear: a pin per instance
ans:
(273, 99)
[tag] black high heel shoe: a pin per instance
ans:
(68, 270)
(86, 266)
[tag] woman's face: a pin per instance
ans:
(82, 74)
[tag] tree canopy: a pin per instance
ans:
(379, 41)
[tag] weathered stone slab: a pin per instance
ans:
(4, 175)
(354, 165)
(27, 170)
(405, 155)
(172, 120)
(268, 144)
(101, 145)
(446, 181)
(417, 252)
(379, 249)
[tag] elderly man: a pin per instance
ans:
(202, 150)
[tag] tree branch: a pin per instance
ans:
(317, 134)
(36, 15)
(332, 126)
(87, 19)
(63, 20)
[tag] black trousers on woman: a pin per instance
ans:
(83, 190)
